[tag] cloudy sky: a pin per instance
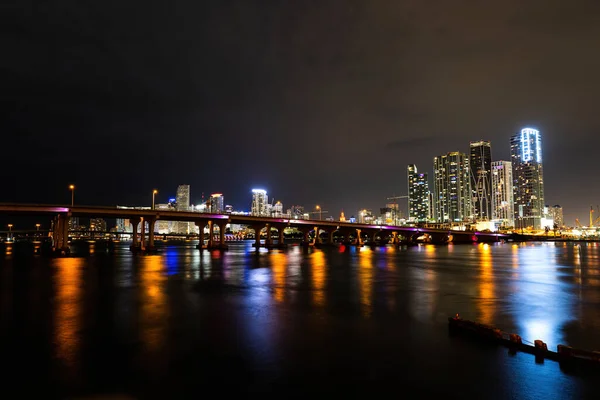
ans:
(319, 102)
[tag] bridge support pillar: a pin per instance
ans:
(257, 229)
(61, 235)
(305, 238)
(317, 238)
(395, 238)
(280, 238)
(268, 240)
(151, 225)
(222, 244)
(200, 224)
(142, 234)
(135, 222)
(359, 241)
(211, 235)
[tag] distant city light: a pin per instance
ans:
(263, 191)
(526, 150)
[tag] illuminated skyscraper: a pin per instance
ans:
(259, 203)
(452, 187)
(503, 206)
(556, 212)
(418, 195)
(481, 184)
(528, 177)
(183, 204)
(216, 203)
(277, 210)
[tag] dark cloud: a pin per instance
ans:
(318, 101)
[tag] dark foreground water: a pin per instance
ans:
(339, 322)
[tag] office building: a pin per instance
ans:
(182, 203)
(217, 203)
(259, 203)
(452, 188)
(556, 213)
(481, 183)
(418, 196)
(277, 210)
(528, 178)
(502, 193)
(97, 225)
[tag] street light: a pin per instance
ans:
(10, 230)
(37, 226)
(154, 192)
(72, 189)
(319, 210)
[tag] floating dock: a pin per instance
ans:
(566, 355)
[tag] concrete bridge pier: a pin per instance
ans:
(281, 237)
(359, 241)
(151, 247)
(317, 241)
(395, 240)
(257, 229)
(60, 235)
(135, 222)
(221, 245)
(142, 234)
(200, 224)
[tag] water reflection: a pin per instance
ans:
(486, 284)
(278, 266)
(425, 295)
(68, 308)
(318, 274)
(365, 280)
(153, 302)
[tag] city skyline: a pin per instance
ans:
(320, 110)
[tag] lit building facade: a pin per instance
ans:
(277, 210)
(217, 203)
(481, 183)
(452, 188)
(556, 212)
(528, 178)
(259, 203)
(182, 201)
(97, 225)
(502, 193)
(418, 195)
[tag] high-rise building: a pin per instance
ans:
(528, 178)
(162, 226)
(502, 193)
(182, 200)
(259, 203)
(97, 225)
(556, 212)
(123, 225)
(418, 195)
(217, 203)
(481, 184)
(277, 210)
(452, 187)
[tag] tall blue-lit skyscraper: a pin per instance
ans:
(452, 186)
(528, 178)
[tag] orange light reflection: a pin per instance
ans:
(486, 285)
(278, 265)
(365, 280)
(153, 307)
(317, 260)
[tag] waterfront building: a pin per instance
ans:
(164, 227)
(216, 203)
(73, 224)
(228, 209)
(182, 200)
(296, 212)
(556, 213)
(502, 193)
(365, 216)
(97, 225)
(528, 178)
(481, 184)
(277, 210)
(342, 217)
(452, 188)
(259, 203)
(123, 225)
(418, 196)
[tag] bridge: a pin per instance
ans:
(144, 220)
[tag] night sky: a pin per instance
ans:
(319, 102)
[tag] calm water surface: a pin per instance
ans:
(335, 321)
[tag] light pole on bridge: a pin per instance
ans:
(10, 230)
(72, 189)
(154, 192)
